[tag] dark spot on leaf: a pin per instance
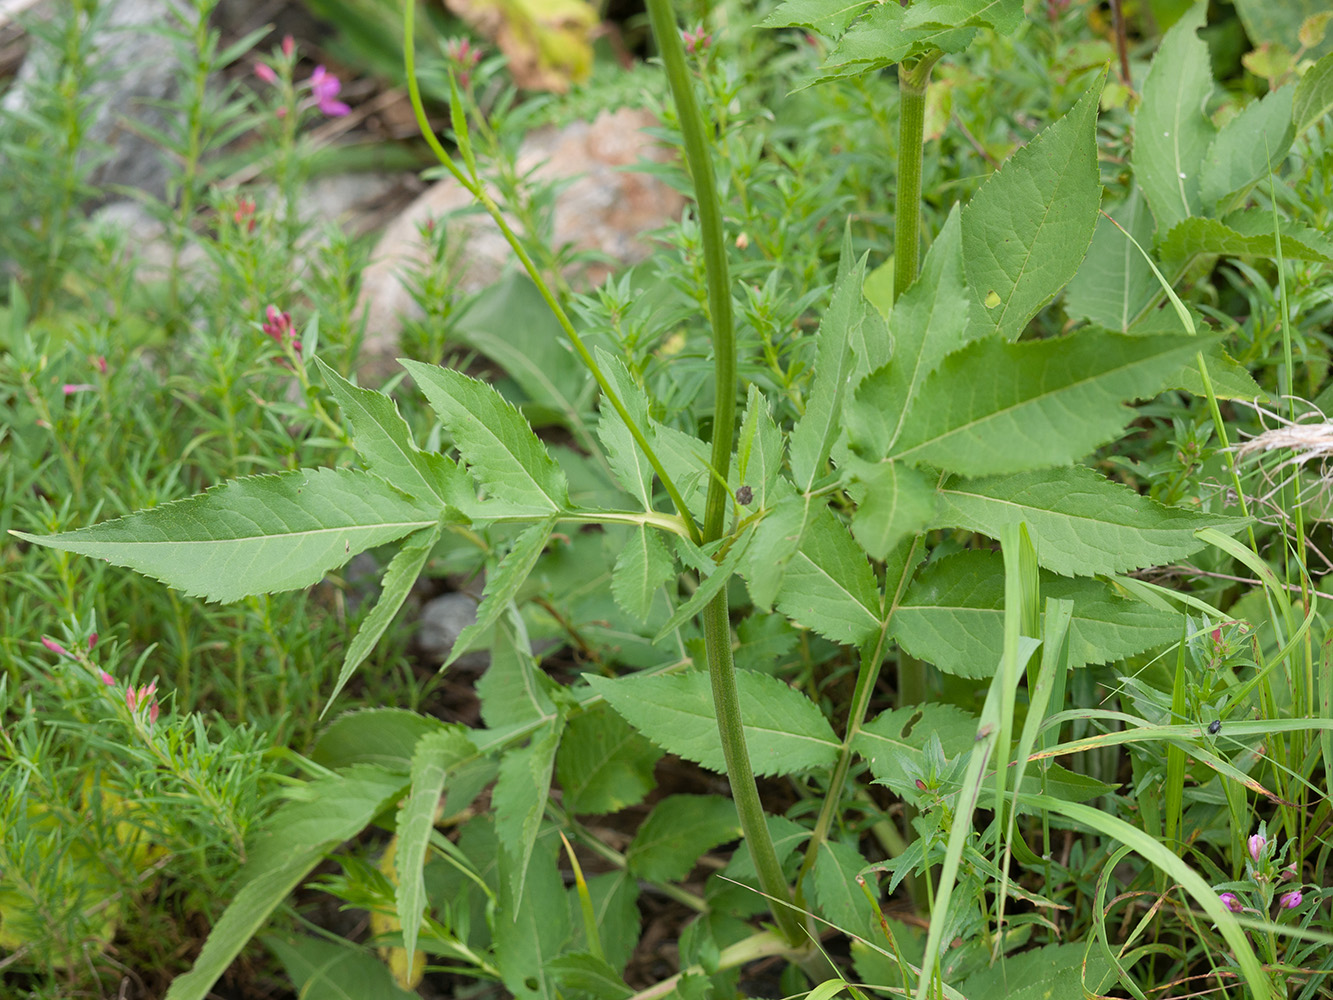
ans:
(744, 496)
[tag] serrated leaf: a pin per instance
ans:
(829, 586)
(1197, 237)
(929, 322)
(642, 567)
(1003, 15)
(813, 436)
(434, 755)
(836, 894)
(1246, 148)
(953, 616)
(1025, 232)
(513, 688)
(1058, 970)
(502, 585)
(678, 830)
(399, 578)
(614, 896)
(776, 540)
(603, 764)
(1081, 523)
(999, 407)
(828, 17)
(381, 436)
(1230, 379)
(257, 535)
(784, 730)
(883, 37)
(628, 464)
(1314, 95)
(718, 576)
(385, 737)
(894, 742)
(511, 324)
(519, 800)
(334, 971)
(898, 501)
(295, 838)
(758, 452)
(589, 975)
(1115, 283)
(1171, 131)
(532, 927)
(494, 439)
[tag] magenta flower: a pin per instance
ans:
(325, 86)
(1257, 844)
(1290, 900)
(696, 40)
(266, 73)
(1231, 901)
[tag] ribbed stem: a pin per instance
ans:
(716, 618)
(913, 76)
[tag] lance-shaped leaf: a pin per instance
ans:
(1082, 523)
(717, 576)
(1026, 231)
(1195, 238)
(1171, 131)
(828, 17)
(812, 437)
(519, 800)
(513, 691)
(678, 830)
(928, 323)
(953, 616)
(1115, 283)
(631, 469)
(1246, 148)
(502, 585)
(997, 407)
(494, 439)
(642, 567)
(398, 581)
(258, 535)
(433, 758)
(829, 586)
(758, 453)
(784, 730)
(1314, 94)
(383, 439)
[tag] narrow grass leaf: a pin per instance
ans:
(1083, 523)
(435, 754)
(1026, 230)
(257, 535)
(996, 407)
(784, 730)
(399, 578)
(494, 439)
(1171, 132)
(295, 839)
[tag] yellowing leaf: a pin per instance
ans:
(548, 42)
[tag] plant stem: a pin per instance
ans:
(716, 617)
(912, 79)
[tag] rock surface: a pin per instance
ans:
(600, 206)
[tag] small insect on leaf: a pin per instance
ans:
(1215, 726)
(347, 547)
(744, 496)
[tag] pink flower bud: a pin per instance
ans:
(54, 646)
(1231, 901)
(1257, 844)
(70, 389)
(92, 640)
(131, 698)
(265, 72)
(288, 45)
(106, 678)
(152, 714)
(101, 364)
(1290, 900)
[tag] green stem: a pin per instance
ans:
(716, 617)
(912, 79)
(552, 303)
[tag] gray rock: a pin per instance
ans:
(441, 621)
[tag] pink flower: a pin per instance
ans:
(106, 678)
(1231, 901)
(278, 325)
(245, 214)
(325, 86)
(696, 40)
(1290, 900)
(288, 45)
(464, 57)
(1256, 845)
(70, 389)
(101, 364)
(92, 641)
(144, 696)
(54, 646)
(265, 72)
